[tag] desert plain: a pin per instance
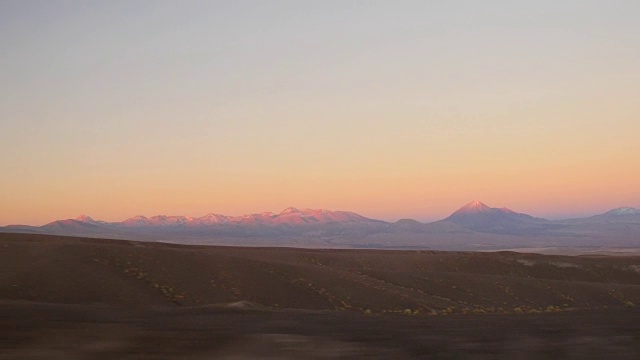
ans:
(80, 298)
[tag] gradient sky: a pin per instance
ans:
(391, 109)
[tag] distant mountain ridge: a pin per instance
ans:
(289, 216)
(624, 214)
(482, 218)
(474, 225)
(623, 211)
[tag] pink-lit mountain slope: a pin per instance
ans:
(474, 226)
(621, 215)
(289, 222)
(289, 216)
(479, 217)
(158, 220)
(70, 224)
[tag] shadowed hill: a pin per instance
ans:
(85, 271)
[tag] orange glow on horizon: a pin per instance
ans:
(581, 189)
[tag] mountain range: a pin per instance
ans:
(473, 226)
(290, 216)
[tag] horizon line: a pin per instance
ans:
(566, 217)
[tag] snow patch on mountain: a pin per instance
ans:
(626, 210)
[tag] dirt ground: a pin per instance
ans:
(46, 331)
(72, 298)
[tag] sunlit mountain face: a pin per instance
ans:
(473, 226)
(480, 217)
(291, 216)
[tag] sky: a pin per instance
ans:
(392, 109)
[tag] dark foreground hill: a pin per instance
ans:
(91, 271)
(79, 298)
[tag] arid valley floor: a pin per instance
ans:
(76, 298)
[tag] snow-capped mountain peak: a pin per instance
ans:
(626, 210)
(480, 217)
(138, 220)
(85, 219)
(290, 210)
(474, 207)
(211, 219)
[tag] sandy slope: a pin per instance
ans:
(89, 298)
(86, 271)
